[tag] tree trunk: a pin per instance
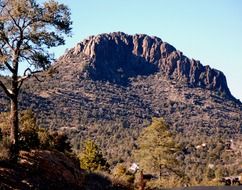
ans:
(14, 149)
(160, 171)
(14, 122)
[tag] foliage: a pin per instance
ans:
(33, 137)
(60, 142)
(119, 170)
(4, 149)
(157, 150)
(117, 115)
(45, 139)
(121, 175)
(27, 30)
(54, 140)
(4, 124)
(196, 160)
(28, 138)
(91, 157)
(208, 163)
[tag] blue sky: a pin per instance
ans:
(206, 30)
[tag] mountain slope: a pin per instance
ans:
(109, 87)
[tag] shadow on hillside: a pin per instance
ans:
(119, 64)
(94, 181)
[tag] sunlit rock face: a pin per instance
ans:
(116, 57)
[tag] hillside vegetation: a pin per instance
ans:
(107, 90)
(47, 161)
(111, 97)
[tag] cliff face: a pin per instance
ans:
(116, 57)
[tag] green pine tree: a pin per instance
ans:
(91, 157)
(157, 151)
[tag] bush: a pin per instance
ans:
(122, 176)
(119, 170)
(4, 149)
(60, 142)
(45, 139)
(28, 137)
(4, 124)
(91, 157)
(33, 137)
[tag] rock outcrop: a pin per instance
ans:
(51, 170)
(41, 169)
(116, 57)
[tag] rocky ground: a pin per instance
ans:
(41, 170)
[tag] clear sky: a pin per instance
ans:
(206, 30)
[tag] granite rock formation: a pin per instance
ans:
(116, 57)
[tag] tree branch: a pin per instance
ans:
(5, 40)
(6, 63)
(9, 67)
(7, 92)
(28, 75)
(13, 19)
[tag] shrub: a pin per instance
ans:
(91, 157)
(4, 149)
(31, 136)
(119, 170)
(4, 124)
(28, 137)
(60, 142)
(45, 139)
(122, 176)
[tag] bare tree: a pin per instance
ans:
(27, 30)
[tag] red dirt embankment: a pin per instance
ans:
(41, 170)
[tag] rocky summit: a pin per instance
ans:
(116, 57)
(109, 87)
